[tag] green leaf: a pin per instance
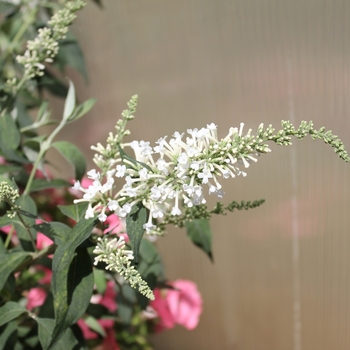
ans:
(70, 102)
(54, 85)
(10, 311)
(27, 205)
(63, 290)
(9, 168)
(9, 134)
(42, 184)
(100, 281)
(150, 260)
(134, 227)
(74, 211)
(82, 109)
(73, 155)
(71, 54)
(9, 263)
(56, 231)
(67, 341)
(95, 326)
(8, 335)
(123, 156)
(81, 285)
(199, 232)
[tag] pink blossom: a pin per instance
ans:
(107, 299)
(42, 241)
(46, 279)
(35, 297)
(182, 305)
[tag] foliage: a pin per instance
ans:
(88, 274)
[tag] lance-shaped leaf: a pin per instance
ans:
(81, 110)
(56, 231)
(11, 311)
(73, 155)
(9, 134)
(134, 227)
(199, 232)
(69, 104)
(42, 184)
(9, 263)
(45, 329)
(63, 290)
(74, 211)
(28, 205)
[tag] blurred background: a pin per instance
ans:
(281, 273)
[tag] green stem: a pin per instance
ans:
(43, 149)
(9, 236)
(28, 230)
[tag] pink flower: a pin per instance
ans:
(35, 297)
(107, 299)
(182, 305)
(46, 279)
(42, 241)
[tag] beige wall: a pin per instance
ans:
(281, 278)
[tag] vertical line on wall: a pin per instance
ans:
(297, 341)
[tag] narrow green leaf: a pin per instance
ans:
(45, 329)
(62, 289)
(9, 134)
(9, 263)
(42, 184)
(56, 231)
(134, 227)
(82, 109)
(70, 54)
(95, 326)
(70, 102)
(9, 168)
(123, 156)
(81, 285)
(73, 155)
(199, 232)
(100, 281)
(10, 311)
(8, 335)
(27, 204)
(74, 211)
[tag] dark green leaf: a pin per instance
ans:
(199, 232)
(73, 155)
(70, 54)
(8, 335)
(80, 284)
(26, 204)
(9, 134)
(134, 227)
(150, 263)
(67, 341)
(61, 289)
(9, 263)
(10, 311)
(56, 231)
(53, 84)
(13, 155)
(42, 184)
(74, 211)
(123, 156)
